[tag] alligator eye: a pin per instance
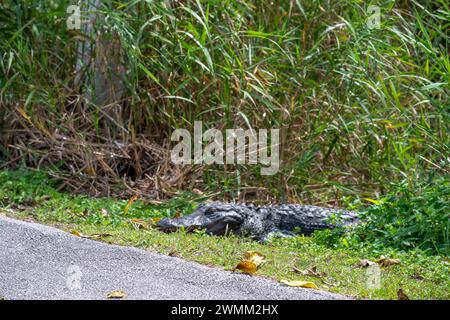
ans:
(210, 211)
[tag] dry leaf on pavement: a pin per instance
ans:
(247, 267)
(75, 233)
(116, 294)
(300, 284)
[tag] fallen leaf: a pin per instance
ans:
(75, 233)
(116, 294)
(385, 262)
(247, 267)
(255, 257)
(130, 203)
(155, 220)
(177, 215)
(139, 223)
(300, 284)
(250, 262)
(91, 236)
(24, 114)
(313, 272)
(197, 192)
(401, 295)
(364, 263)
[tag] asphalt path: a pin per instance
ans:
(42, 262)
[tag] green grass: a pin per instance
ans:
(30, 195)
(25, 188)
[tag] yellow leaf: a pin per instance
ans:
(385, 262)
(177, 215)
(247, 267)
(301, 284)
(75, 233)
(377, 202)
(92, 236)
(24, 114)
(130, 203)
(139, 223)
(255, 257)
(116, 294)
(155, 220)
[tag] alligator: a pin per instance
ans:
(260, 223)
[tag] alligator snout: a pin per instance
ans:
(204, 218)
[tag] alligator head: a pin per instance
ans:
(214, 218)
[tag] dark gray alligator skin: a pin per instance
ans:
(258, 222)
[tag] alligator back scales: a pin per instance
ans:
(220, 218)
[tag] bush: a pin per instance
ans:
(413, 216)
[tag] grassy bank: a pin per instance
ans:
(30, 195)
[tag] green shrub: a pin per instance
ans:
(414, 215)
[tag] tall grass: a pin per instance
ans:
(357, 107)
